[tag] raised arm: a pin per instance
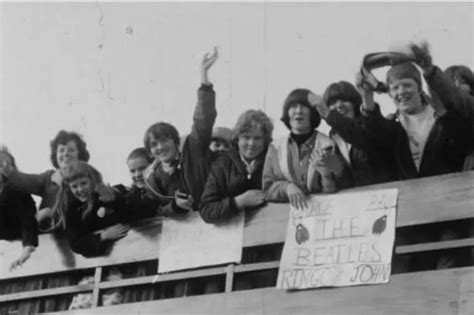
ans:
(380, 132)
(451, 97)
(205, 111)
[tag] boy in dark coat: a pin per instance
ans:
(179, 171)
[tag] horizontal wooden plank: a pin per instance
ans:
(405, 249)
(46, 292)
(431, 292)
(431, 199)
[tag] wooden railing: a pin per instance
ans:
(421, 201)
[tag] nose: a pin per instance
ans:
(299, 108)
(339, 104)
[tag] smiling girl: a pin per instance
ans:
(83, 214)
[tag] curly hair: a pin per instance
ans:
(63, 137)
(253, 119)
(161, 131)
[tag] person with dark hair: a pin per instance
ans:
(303, 163)
(235, 180)
(17, 215)
(462, 77)
(66, 147)
(179, 171)
(220, 141)
(340, 107)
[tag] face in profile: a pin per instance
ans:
(251, 143)
(67, 153)
(82, 188)
(164, 151)
(405, 93)
(137, 166)
(344, 108)
(300, 118)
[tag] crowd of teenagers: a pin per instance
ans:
(220, 171)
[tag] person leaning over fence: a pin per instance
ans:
(304, 162)
(454, 88)
(66, 147)
(419, 139)
(234, 184)
(17, 214)
(340, 107)
(139, 203)
(91, 224)
(235, 180)
(179, 171)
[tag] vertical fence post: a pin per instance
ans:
(95, 292)
(229, 279)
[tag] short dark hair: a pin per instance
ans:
(63, 137)
(161, 131)
(299, 96)
(4, 151)
(345, 91)
(462, 71)
(248, 120)
(140, 153)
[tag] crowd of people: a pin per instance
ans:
(220, 171)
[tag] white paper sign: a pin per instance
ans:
(341, 239)
(191, 243)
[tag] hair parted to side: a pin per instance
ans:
(161, 131)
(63, 137)
(253, 119)
(140, 153)
(73, 171)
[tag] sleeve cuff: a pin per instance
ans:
(206, 87)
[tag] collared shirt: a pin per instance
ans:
(250, 167)
(299, 159)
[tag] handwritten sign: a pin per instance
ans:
(340, 240)
(191, 243)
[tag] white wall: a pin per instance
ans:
(109, 70)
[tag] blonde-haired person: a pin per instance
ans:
(234, 184)
(82, 214)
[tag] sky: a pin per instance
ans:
(109, 70)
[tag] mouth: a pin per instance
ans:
(404, 98)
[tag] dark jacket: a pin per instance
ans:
(80, 230)
(227, 179)
(367, 165)
(139, 204)
(443, 153)
(452, 98)
(17, 217)
(191, 173)
(44, 185)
